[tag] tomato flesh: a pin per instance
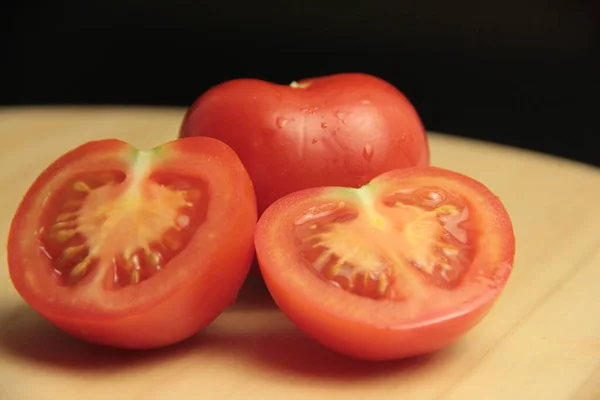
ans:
(124, 247)
(381, 271)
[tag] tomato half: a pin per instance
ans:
(336, 130)
(132, 248)
(403, 266)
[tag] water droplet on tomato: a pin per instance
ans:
(280, 121)
(314, 140)
(368, 152)
(324, 125)
(309, 109)
(340, 116)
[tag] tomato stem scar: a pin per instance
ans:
(300, 85)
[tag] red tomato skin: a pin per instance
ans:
(329, 315)
(342, 130)
(143, 319)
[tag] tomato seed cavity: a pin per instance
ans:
(61, 240)
(70, 237)
(450, 252)
(338, 255)
(428, 232)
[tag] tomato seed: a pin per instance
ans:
(66, 216)
(81, 186)
(62, 236)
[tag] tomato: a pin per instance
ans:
(135, 249)
(337, 130)
(402, 266)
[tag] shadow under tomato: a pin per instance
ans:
(269, 342)
(276, 344)
(28, 336)
(253, 330)
(292, 352)
(253, 295)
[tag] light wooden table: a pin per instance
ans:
(541, 341)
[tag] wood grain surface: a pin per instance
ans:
(540, 341)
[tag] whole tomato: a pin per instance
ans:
(336, 130)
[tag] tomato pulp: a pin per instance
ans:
(337, 130)
(402, 266)
(132, 248)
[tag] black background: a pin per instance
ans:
(520, 73)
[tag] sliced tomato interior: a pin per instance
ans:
(411, 236)
(420, 234)
(126, 226)
(104, 219)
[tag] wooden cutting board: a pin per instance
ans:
(541, 340)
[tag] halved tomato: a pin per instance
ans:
(402, 266)
(132, 248)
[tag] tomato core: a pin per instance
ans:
(416, 236)
(109, 223)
